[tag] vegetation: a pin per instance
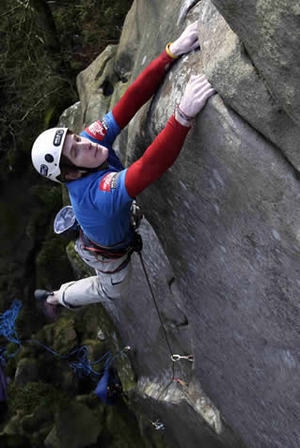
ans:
(28, 397)
(43, 46)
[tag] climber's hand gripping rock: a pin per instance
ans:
(186, 42)
(194, 98)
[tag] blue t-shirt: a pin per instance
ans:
(100, 200)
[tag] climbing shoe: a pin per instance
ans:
(42, 294)
(50, 311)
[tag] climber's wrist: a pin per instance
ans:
(171, 50)
(182, 118)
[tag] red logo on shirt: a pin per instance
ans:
(109, 182)
(97, 130)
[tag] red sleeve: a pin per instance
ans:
(158, 157)
(141, 89)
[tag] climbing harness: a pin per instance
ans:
(118, 250)
(65, 224)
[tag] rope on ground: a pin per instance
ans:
(77, 358)
(8, 322)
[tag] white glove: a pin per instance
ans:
(186, 42)
(196, 93)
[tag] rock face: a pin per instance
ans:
(223, 258)
(270, 32)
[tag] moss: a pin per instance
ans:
(14, 425)
(75, 426)
(42, 416)
(46, 200)
(48, 195)
(27, 371)
(95, 348)
(24, 400)
(12, 348)
(88, 323)
(9, 221)
(32, 409)
(53, 254)
(89, 320)
(80, 269)
(127, 434)
(46, 334)
(64, 335)
(126, 374)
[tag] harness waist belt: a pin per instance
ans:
(107, 252)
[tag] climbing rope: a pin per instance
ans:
(157, 309)
(158, 425)
(137, 215)
(174, 357)
(8, 322)
(77, 358)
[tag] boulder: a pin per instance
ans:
(27, 371)
(95, 85)
(270, 32)
(241, 83)
(221, 240)
(76, 426)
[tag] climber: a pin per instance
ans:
(101, 190)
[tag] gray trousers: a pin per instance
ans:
(105, 287)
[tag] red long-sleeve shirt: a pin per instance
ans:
(162, 153)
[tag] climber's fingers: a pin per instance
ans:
(196, 93)
(186, 42)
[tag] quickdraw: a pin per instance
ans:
(180, 381)
(176, 357)
(159, 426)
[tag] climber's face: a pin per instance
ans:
(84, 153)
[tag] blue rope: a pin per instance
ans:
(80, 362)
(8, 322)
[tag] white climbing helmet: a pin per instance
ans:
(46, 152)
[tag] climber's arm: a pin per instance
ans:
(164, 150)
(158, 157)
(149, 80)
(141, 90)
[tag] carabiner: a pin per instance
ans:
(181, 382)
(179, 357)
(158, 425)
